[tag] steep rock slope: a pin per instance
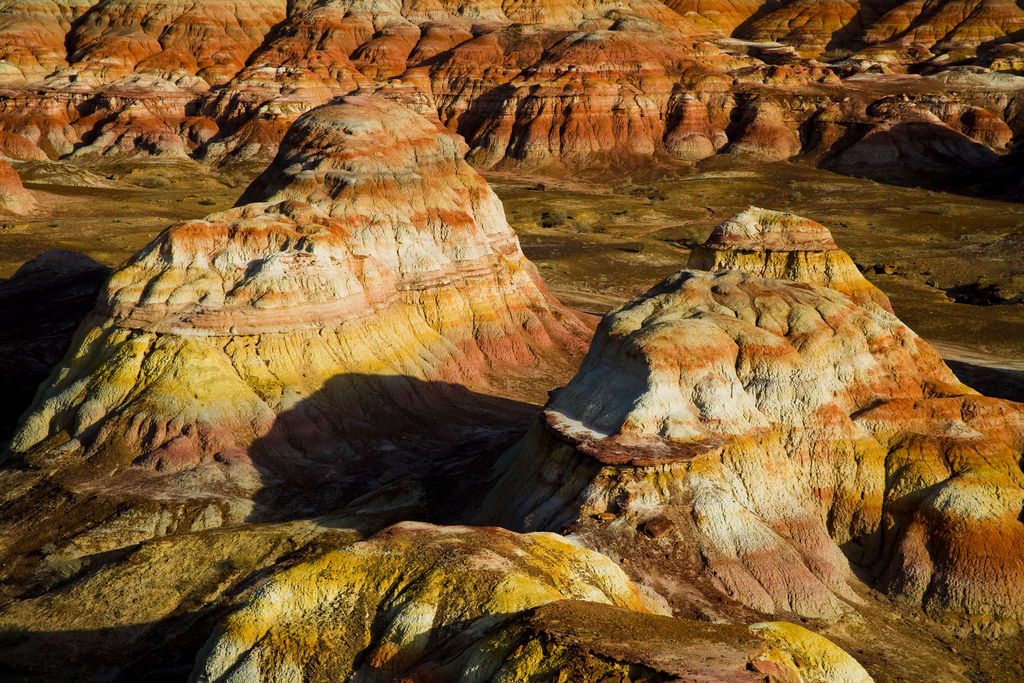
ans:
(750, 428)
(373, 275)
(456, 604)
(783, 246)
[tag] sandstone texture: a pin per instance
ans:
(767, 423)
(782, 246)
(370, 275)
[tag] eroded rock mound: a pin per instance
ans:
(750, 427)
(461, 603)
(14, 198)
(777, 245)
(377, 275)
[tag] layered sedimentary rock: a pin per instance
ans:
(458, 603)
(777, 245)
(32, 37)
(751, 427)
(14, 198)
(371, 274)
(813, 24)
(178, 41)
(908, 141)
(537, 86)
(947, 24)
(593, 98)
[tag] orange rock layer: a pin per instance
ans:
(538, 85)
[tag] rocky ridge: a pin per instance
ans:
(459, 603)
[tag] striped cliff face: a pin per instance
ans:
(372, 267)
(759, 425)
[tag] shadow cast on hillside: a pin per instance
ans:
(362, 435)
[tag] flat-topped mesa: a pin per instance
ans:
(762, 424)
(292, 322)
(778, 245)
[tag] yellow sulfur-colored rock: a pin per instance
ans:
(380, 607)
(458, 604)
(817, 659)
(784, 246)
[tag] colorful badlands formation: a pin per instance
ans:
(899, 91)
(258, 456)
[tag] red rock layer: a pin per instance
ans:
(723, 15)
(32, 34)
(816, 24)
(947, 24)
(593, 99)
(529, 85)
(175, 40)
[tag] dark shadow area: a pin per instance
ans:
(361, 433)
(990, 381)
(910, 154)
(41, 306)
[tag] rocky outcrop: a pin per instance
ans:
(444, 603)
(611, 111)
(813, 25)
(371, 273)
(14, 198)
(553, 87)
(944, 25)
(784, 246)
(906, 142)
(766, 132)
(732, 419)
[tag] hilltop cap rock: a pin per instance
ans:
(765, 230)
(778, 245)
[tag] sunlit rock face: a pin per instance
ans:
(372, 277)
(554, 87)
(14, 198)
(777, 245)
(178, 41)
(752, 427)
(418, 602)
